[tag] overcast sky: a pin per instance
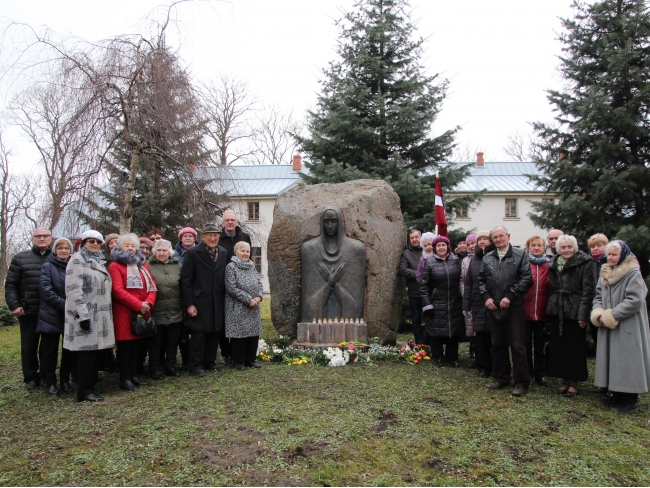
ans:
(500, 56)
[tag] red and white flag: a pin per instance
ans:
(440, 218)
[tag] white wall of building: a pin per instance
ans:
(491, 211)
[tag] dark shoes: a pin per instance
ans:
(571, 394)
(497, 386)
(610, 401)
(626, 408)
(561, 390)
(600, 390)
(138, 382)
(254, 365)
(91, 397)
(172, 372)
(128, 385)
(215, 367)
(440, 361)
(198, 372)
(473, 364)
(31, 385)
(519, 391)
(157, 375)
(483, 373)
(453, 364)
(541, 381)
(239, 367)
(66, 388)
(52, 390)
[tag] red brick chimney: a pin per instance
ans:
(479, 159)
(297, 162)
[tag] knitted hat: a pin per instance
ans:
(144, 240)
(471, 238)
(482, 233)
(461, 239)
(186, 230)
(110, 237)
(92, 234)
(440, 239)
(59, 240)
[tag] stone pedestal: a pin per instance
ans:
(330, 334)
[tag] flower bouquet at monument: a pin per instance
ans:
(418, 357)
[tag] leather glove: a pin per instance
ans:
(85, 324)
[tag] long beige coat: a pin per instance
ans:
(623, 353)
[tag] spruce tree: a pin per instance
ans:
(602, 120)
(375, 113)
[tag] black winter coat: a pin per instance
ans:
(472, 301)
(203, 284)
(179, 252)
(23, 277)
(408, 266)
(571, 291)
(51, 315)
(440, 287)
(508, 278)
(228, 242)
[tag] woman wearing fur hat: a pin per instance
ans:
(51, 317)
(442, 303)
(623, 354)
(134, 291)
(474, 305)
(88, 312)
(571, 290)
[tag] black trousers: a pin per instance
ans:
(29, 340)
(450, 352)
(416, 319)
(203, 349)
(127, 358)
(513, 330)
(48, 353)
(224, 344)
(535, 340)
(163, 347)
(244, 350)
(483, 344)
(86, 372)
(184, 346)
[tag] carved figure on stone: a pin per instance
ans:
(333, 271)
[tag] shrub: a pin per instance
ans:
(6, 317)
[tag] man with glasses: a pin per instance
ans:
(504, 279)
(23, 299)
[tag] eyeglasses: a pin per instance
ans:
(42, 236)
(155, 238)
(93, 241)
(61, 248)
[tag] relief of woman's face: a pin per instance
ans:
(330, 222)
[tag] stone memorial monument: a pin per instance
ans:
(333, 255)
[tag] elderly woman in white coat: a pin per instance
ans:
(244, 294)
(88, 312)
(623, 351)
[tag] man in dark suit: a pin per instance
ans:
(204, 292)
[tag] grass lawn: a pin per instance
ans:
(379, 425)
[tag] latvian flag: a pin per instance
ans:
(441, 220)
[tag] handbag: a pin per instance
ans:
(141, 326)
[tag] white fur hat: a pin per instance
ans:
(91, 234)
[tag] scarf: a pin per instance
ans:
(596, 257)
(502, 252)
(134, 266)
(537, 261)
(97, 256)
(560, 262)
(625, 251)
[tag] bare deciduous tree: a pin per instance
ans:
(273, 140)
(16, 198)
(227, 106)
(464, 153)
(62, 119)
(522, 147)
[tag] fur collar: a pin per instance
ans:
(609, 276)
(123, 257)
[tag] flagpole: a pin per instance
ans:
(435, 230)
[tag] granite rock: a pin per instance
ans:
(372, 215)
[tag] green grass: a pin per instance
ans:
(379, 425)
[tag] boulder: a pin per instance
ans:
(372, 215)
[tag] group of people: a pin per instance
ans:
(202, 296)
(535, 304)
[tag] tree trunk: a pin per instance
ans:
(126, 215)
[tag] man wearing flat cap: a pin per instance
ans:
(204, 292)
